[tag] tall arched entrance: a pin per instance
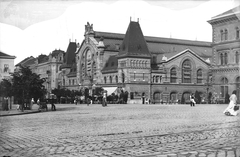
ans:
(156, 97)
(173, 97)
(185, 98)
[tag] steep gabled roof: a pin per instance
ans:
(70, 55)
(111, 65)
(27, 61)
(134, 44)
(6, 56)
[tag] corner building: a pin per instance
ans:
(159, 69)
(226, 53)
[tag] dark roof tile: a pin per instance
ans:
(134, 44)
(111, 65)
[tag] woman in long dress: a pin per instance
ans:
(233, 102)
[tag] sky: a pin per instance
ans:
(30, 28)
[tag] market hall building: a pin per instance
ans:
(159, 69)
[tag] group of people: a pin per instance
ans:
(231, 110)
(41, 105)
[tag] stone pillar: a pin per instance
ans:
(100, 57)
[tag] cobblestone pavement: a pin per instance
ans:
(123, 130)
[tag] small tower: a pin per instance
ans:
(134, 61)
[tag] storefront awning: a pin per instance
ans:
(110, 90)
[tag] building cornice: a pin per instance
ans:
(224, 19)
(7, 57)
(226, 42)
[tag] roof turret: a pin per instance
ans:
(134, 44)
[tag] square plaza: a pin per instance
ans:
(122, 130)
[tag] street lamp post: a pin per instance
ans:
(93, 91)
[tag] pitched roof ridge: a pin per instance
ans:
(232, 11)
(187, 50)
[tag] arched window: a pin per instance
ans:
(224, 87)
(134, 76)
(237, 57)
(145, 64)
(105, 79)
(221, 32)
(157, 78)
(186, 71)
(94, 68)
(123, 77)
(225, 59)
(221, 59)
(173, 75)
(237, 32)
(131, 63)
(110, 78)
(116, 79)
(226, 34)
(153, 79)
(134, 63)
(137, 63)
(140, 64)
(199, 76)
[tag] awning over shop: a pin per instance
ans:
(110, 90)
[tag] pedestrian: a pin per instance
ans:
(229, 111)
(53, 106)
(88, 100)
(31, 103)
(39, 105)
(192, 101)
(5, 104)
(104, 102)
(75, 101)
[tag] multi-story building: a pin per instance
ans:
(67, 76)
(47, 66)
(6, 65)
(147, 67)
(226, 52)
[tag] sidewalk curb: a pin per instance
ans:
(21, 113)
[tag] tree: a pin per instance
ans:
(197, 97)
(27, 85)
(6, 88)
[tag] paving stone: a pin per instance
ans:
(158, 130)
(221, 154)
(212, 155)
